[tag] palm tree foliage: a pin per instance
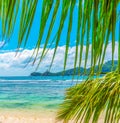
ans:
(87, 101)
(96, 19)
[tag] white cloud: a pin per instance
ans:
(15, 65)
(109, 52)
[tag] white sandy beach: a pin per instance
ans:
(26, 117)
(29, 117)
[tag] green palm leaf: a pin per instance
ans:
(72, 5)
(85, 102)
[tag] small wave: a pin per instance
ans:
(24, 80)
(77, 80)
(37, 81)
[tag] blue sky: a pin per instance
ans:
(15, 66)
(33, 37)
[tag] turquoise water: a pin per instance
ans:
(33, 92)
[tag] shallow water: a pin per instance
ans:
(34, 92)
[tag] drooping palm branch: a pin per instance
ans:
(96, 18)
(90, 99)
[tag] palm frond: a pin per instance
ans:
(72, 5)
(85, 102)
(8, 14)
(119, 51)
(46, 8)
(57, 4)
(26, 19)
(65, 8)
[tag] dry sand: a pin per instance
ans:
(19, 116)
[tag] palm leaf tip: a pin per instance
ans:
(86, 101)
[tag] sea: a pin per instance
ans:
(35, 93)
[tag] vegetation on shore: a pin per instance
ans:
(105, 69)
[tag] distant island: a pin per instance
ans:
(106, 68)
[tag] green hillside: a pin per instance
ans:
(107, 67)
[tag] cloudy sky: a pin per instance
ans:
(17, 65)
(12, 64)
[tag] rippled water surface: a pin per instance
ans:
(33, 92)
